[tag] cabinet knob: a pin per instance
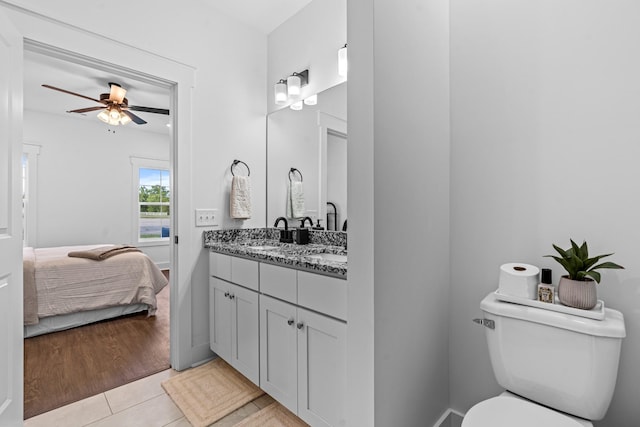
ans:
(300, 325)
(226, 294)
(232, 296)
(290, 322)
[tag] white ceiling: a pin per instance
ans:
(39, 69)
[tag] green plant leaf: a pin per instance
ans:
(592, 261)
(608, 264)
(594, 275)
(561, 251)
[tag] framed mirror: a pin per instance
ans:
(309, 145)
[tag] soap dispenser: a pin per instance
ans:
(302, 233)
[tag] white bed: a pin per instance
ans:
(62, 292)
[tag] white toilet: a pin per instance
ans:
(559, 369)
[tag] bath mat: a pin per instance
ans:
(274, 415)
(209, 392)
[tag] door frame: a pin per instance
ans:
(52, 36)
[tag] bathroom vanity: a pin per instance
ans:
(278, 315)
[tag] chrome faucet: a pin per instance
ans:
(304, 220)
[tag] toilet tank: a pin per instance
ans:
(563, 361)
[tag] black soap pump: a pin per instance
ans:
(302, 233)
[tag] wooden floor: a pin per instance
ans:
(67, 366)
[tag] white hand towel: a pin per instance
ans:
(295, 200)
(240, 198)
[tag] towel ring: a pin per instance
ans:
(235, 162)
(294, 170)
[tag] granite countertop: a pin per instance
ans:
(290, 255)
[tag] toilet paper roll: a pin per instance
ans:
(519, 280)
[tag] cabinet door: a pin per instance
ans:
(219, 318)
(278, 351)
(245, 338)
(322, 369)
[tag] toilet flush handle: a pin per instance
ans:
(486, 322)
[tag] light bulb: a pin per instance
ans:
(124, 119)
(296, 106)
(280, 90)
(114, 113)
(312, 100)
(103, 116)
(293, 85)
(343, 64)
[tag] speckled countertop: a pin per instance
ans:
(262, 247)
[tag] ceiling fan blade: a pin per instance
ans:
(73, 93)
(134, 118)
(86, 110)
(117, 93)
(149, 110)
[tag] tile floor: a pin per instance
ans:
(142, 403)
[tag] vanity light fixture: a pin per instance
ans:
(295, 82)
(290, 89)
(343, 64)
(281, 92)
(296, 106)
(311, 100)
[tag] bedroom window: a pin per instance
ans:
(153, 199)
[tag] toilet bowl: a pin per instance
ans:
(509, 410)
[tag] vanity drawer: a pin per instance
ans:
(220, 265)
(278, 282)
(241, 271)
(244, 272)
(324, 294)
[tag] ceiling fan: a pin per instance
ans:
(115, 107)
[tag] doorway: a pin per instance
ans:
(75, 72)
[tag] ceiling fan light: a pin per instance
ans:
(114, 113)
(103, 116)
(124, 119)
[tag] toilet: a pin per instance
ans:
(558, 369)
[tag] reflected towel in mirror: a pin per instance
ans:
(240, 197)
(295, 200)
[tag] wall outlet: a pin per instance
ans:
(206, 217)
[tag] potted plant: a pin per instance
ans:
(578, 288)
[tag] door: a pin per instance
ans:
(220, 318)
(245, 338)
(11, 332)
(322, 369)
(278, 351)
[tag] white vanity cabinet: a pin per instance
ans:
(303, 352)
(285, 330)
(234, 316)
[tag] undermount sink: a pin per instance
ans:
(329, 257)
(263, 248)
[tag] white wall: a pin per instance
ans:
(228, 120)
(84, 180)
(308, 40)
(545, 132)
(399, 141)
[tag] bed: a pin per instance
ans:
(62, 291)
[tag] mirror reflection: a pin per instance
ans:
(307, 162)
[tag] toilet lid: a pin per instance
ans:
(507, 411)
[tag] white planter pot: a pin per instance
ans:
(577, 293)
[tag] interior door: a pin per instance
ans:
(11, 363)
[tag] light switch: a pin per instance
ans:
(206, 217)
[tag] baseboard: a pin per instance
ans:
(450, 418)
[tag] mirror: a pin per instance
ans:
(312, 141)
